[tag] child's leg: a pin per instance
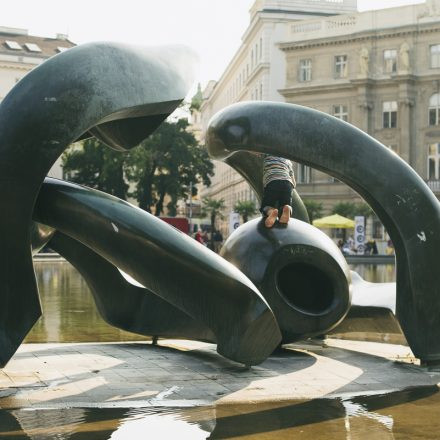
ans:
(272, 215)
(286, 213)
(268, 206)
(286, 202)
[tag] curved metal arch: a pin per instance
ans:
(403, 202)
(118, 92)
(173, 266)
(123, 305)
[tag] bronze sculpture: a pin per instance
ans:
(119, 94)
(401, 199)
(190, 291)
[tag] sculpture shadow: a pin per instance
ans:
(239, 420)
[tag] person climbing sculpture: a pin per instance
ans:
(278, 183)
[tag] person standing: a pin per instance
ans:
(198, 237)
(218, 240)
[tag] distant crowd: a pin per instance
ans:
(212, 240)
(347, 247)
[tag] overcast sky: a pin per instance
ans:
(213, 28)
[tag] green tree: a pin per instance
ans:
(363, 209)
(245, 208)
(350, 209)
(95, 165)
(346, 209)
(314, 209)
(165, 164)
(213, 208)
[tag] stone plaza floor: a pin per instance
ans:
(179, 372)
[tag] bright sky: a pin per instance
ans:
(213, 28)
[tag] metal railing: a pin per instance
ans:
(434, 185)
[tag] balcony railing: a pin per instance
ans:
(434, 185)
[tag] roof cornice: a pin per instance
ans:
(360, 36)
(305, 89)
(313, 89)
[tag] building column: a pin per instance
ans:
(364, 119)
(406, 121)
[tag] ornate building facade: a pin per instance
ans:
(378, 70)
(258, 72)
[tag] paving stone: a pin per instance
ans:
(43, 374)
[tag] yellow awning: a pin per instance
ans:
(333, 221)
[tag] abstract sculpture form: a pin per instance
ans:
(284, 285)
(403, 202)
(119, 94)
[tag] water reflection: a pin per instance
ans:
(400, 415)
(376, 273)
(69, 311)
(70, 315)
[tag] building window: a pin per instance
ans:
(389, 114)
(340, 112)
(390, 60)
(305, 70)
(434, 161)
(303, 175)
(435, 55)
(341, 66)
(434, 104)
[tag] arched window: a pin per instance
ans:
(434, 105)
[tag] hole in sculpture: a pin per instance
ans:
(305, 287)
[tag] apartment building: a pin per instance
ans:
(378, 70)
(258, 72)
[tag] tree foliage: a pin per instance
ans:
(314, 209)
(162, 165)
(245, 208)
(165, 164)
(346, 209)
(364, 209)
(350, 209)
(97, 166)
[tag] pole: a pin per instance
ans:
(190, 207)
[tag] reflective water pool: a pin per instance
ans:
(410, 414)
(70, 315)
(376, 273)
(69, 312)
